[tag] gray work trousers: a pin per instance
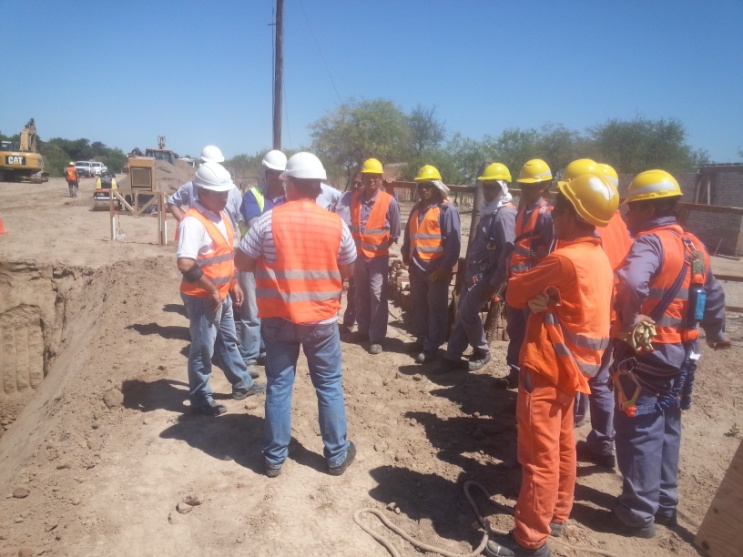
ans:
(468, 327)
(370, 278)
(429, 309)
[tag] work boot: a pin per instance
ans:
(255, 389)
(375, 348)
(615, 525)
(667, 520)
(272, 470)
(448, 365)
(253, 371)
(556, 529)
(350, 456)
(506, 546)
(586, 454)
(210, 409)
(478, 360)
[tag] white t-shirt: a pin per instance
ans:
(194, 240)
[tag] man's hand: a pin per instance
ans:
(215, 299)
(238, 297)
(545, 300)
(723, 344)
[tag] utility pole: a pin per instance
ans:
(278, 74)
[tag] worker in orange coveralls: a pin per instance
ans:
(569, 294)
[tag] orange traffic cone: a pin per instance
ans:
(2, 228)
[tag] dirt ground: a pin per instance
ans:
(99, 453)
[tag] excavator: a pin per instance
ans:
(20, 162)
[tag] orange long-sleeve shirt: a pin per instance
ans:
(581, 272)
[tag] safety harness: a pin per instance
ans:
(646, 376)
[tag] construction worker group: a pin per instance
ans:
(603, 308)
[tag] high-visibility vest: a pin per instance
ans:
(425, 237)
(304, 284)
(70, 174)
(261, 200)
(372, 239)
(565, 344)
(525, 255)
(671, 327)
(218, 265)
(616, 240)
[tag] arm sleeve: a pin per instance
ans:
(642, 262)
(451, 236)
(393, 215)
(524, 286)
(405, 249)
(713, 321)
(190, 238)
(182, 196)
(251, 243)
(249, 208)
(347, 249)
(505, 226)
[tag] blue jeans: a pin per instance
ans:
(321, 345)
(212, 330)
(247, 322)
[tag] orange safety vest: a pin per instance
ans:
(70, 174)
(373, 239)
(577, 329)
(218, 265)
(524, 256)
(304, 284)
(677, 245)
(616, 240)
(425, 237)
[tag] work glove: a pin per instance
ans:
(640, 335)
(544, 300)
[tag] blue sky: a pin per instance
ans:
(201, 72)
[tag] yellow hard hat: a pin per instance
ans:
(608, 172)
(595, 199)
(371, 166)
(427, 173)
(579, 167)
(653, 184)
(495, 171)
(71, 164)
(534, 172)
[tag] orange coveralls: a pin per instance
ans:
(552, 373)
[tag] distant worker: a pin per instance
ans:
(534, 236)
(487, 259)
(328, 197)
(665, 289)
(269, 193)
(431, 250)
(70, 174)
(300, 254)
(205, 258)
(569, 297)
(343, 210)
(184, 196)
(375, 225)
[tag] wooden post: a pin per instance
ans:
(721, 534)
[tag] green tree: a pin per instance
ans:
(513, 147)
(640, 144)
(356, 131)
(426, 132)
(558, 146)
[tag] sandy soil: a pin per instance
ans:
(99, 451)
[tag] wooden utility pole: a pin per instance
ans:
(278, 74)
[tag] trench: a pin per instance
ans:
(37, 306)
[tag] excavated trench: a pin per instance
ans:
(38, 308)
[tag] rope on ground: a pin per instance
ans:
(487, 530)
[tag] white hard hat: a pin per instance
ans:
(274, 160)
(213, 176)
(304, 166)
(211, 153)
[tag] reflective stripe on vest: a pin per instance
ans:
(218, 265)
(578, 352)
(304, 284)
(373, 239)
(524, 255)
(670, 328)
(425, 237)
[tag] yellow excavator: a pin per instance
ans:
(20, 162)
